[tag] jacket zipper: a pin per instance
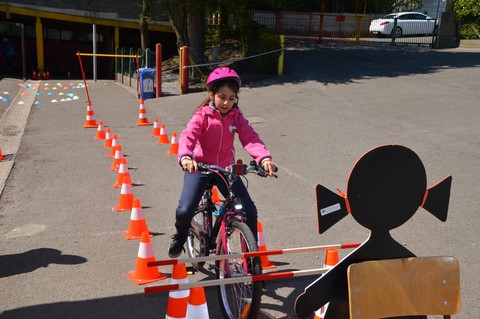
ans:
(221, 140)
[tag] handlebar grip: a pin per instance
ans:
(202, 166)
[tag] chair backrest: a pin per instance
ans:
(404, 287)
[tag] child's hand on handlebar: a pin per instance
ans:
(189, 165)
(270, 167)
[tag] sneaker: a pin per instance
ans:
(264, 287)
(176, 247)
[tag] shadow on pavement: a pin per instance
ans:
(131, 306)
(348, 64)
(126, 306)
(155, 305)
(29, 261)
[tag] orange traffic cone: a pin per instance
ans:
(331, 259)
(266, 264)
(122, 171)
(113, 148)
(144, 274)
(137, 225)
(215, 197)
(178, 300)
(125, 203)
(197, 304)
(163, 139)
(108, 138)
(118, 157)
(1, 155)
(100, 131)
(90, 119)
(173, 144)
(156, 128)
(142, 115)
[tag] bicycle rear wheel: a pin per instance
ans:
(239, 301)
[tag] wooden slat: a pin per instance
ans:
(401, 287)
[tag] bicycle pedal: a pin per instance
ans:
(191, 270)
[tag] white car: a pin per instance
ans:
(403, 23)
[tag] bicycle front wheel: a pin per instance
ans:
(242, 300)
(197, 240)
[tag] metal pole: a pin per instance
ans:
(22, 34)
(158, 65)
(94, 39)
(146, 57)
(252, 254)
(83, 75)
(183, 70)
(236, 280)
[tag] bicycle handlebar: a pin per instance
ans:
(236, 169)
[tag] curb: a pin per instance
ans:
(12, 127)
(474, 44)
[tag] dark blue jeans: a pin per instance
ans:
(193, 187)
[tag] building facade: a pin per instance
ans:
(54, 31)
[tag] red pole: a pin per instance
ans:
(158, 73)
(252, 254)
(138, 77)
(235, 280)
(83, 75)
(184, 71)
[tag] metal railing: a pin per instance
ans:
(331, 27)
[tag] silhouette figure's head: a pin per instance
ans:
(386, 187)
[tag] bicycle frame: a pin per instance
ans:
(209, 232)
(220, 227)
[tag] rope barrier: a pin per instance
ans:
(108, 55)
(233, 61)
(251, 254)
(235, 280)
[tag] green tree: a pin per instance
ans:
(389, 6)
(467, 13)
(188, 18)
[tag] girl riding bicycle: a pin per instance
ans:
(209, 138)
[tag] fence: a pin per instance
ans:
(126, 68)
(330, 27)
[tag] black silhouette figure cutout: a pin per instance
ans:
(385, 188)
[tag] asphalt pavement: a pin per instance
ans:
(63, 253)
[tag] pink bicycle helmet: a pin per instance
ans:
(222, 73)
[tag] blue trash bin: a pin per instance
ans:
(147, 83)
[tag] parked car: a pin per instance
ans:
(404, 23)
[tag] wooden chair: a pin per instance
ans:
(404, 287)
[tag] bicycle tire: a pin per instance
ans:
(196, 242)
(239, 300)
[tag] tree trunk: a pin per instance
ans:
(143, 25)
(178, 19)
(189, 26)
(196, 33)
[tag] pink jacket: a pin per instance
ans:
(210, 139)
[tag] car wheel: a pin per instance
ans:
(397, 32)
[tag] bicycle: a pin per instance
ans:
(228, 235)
